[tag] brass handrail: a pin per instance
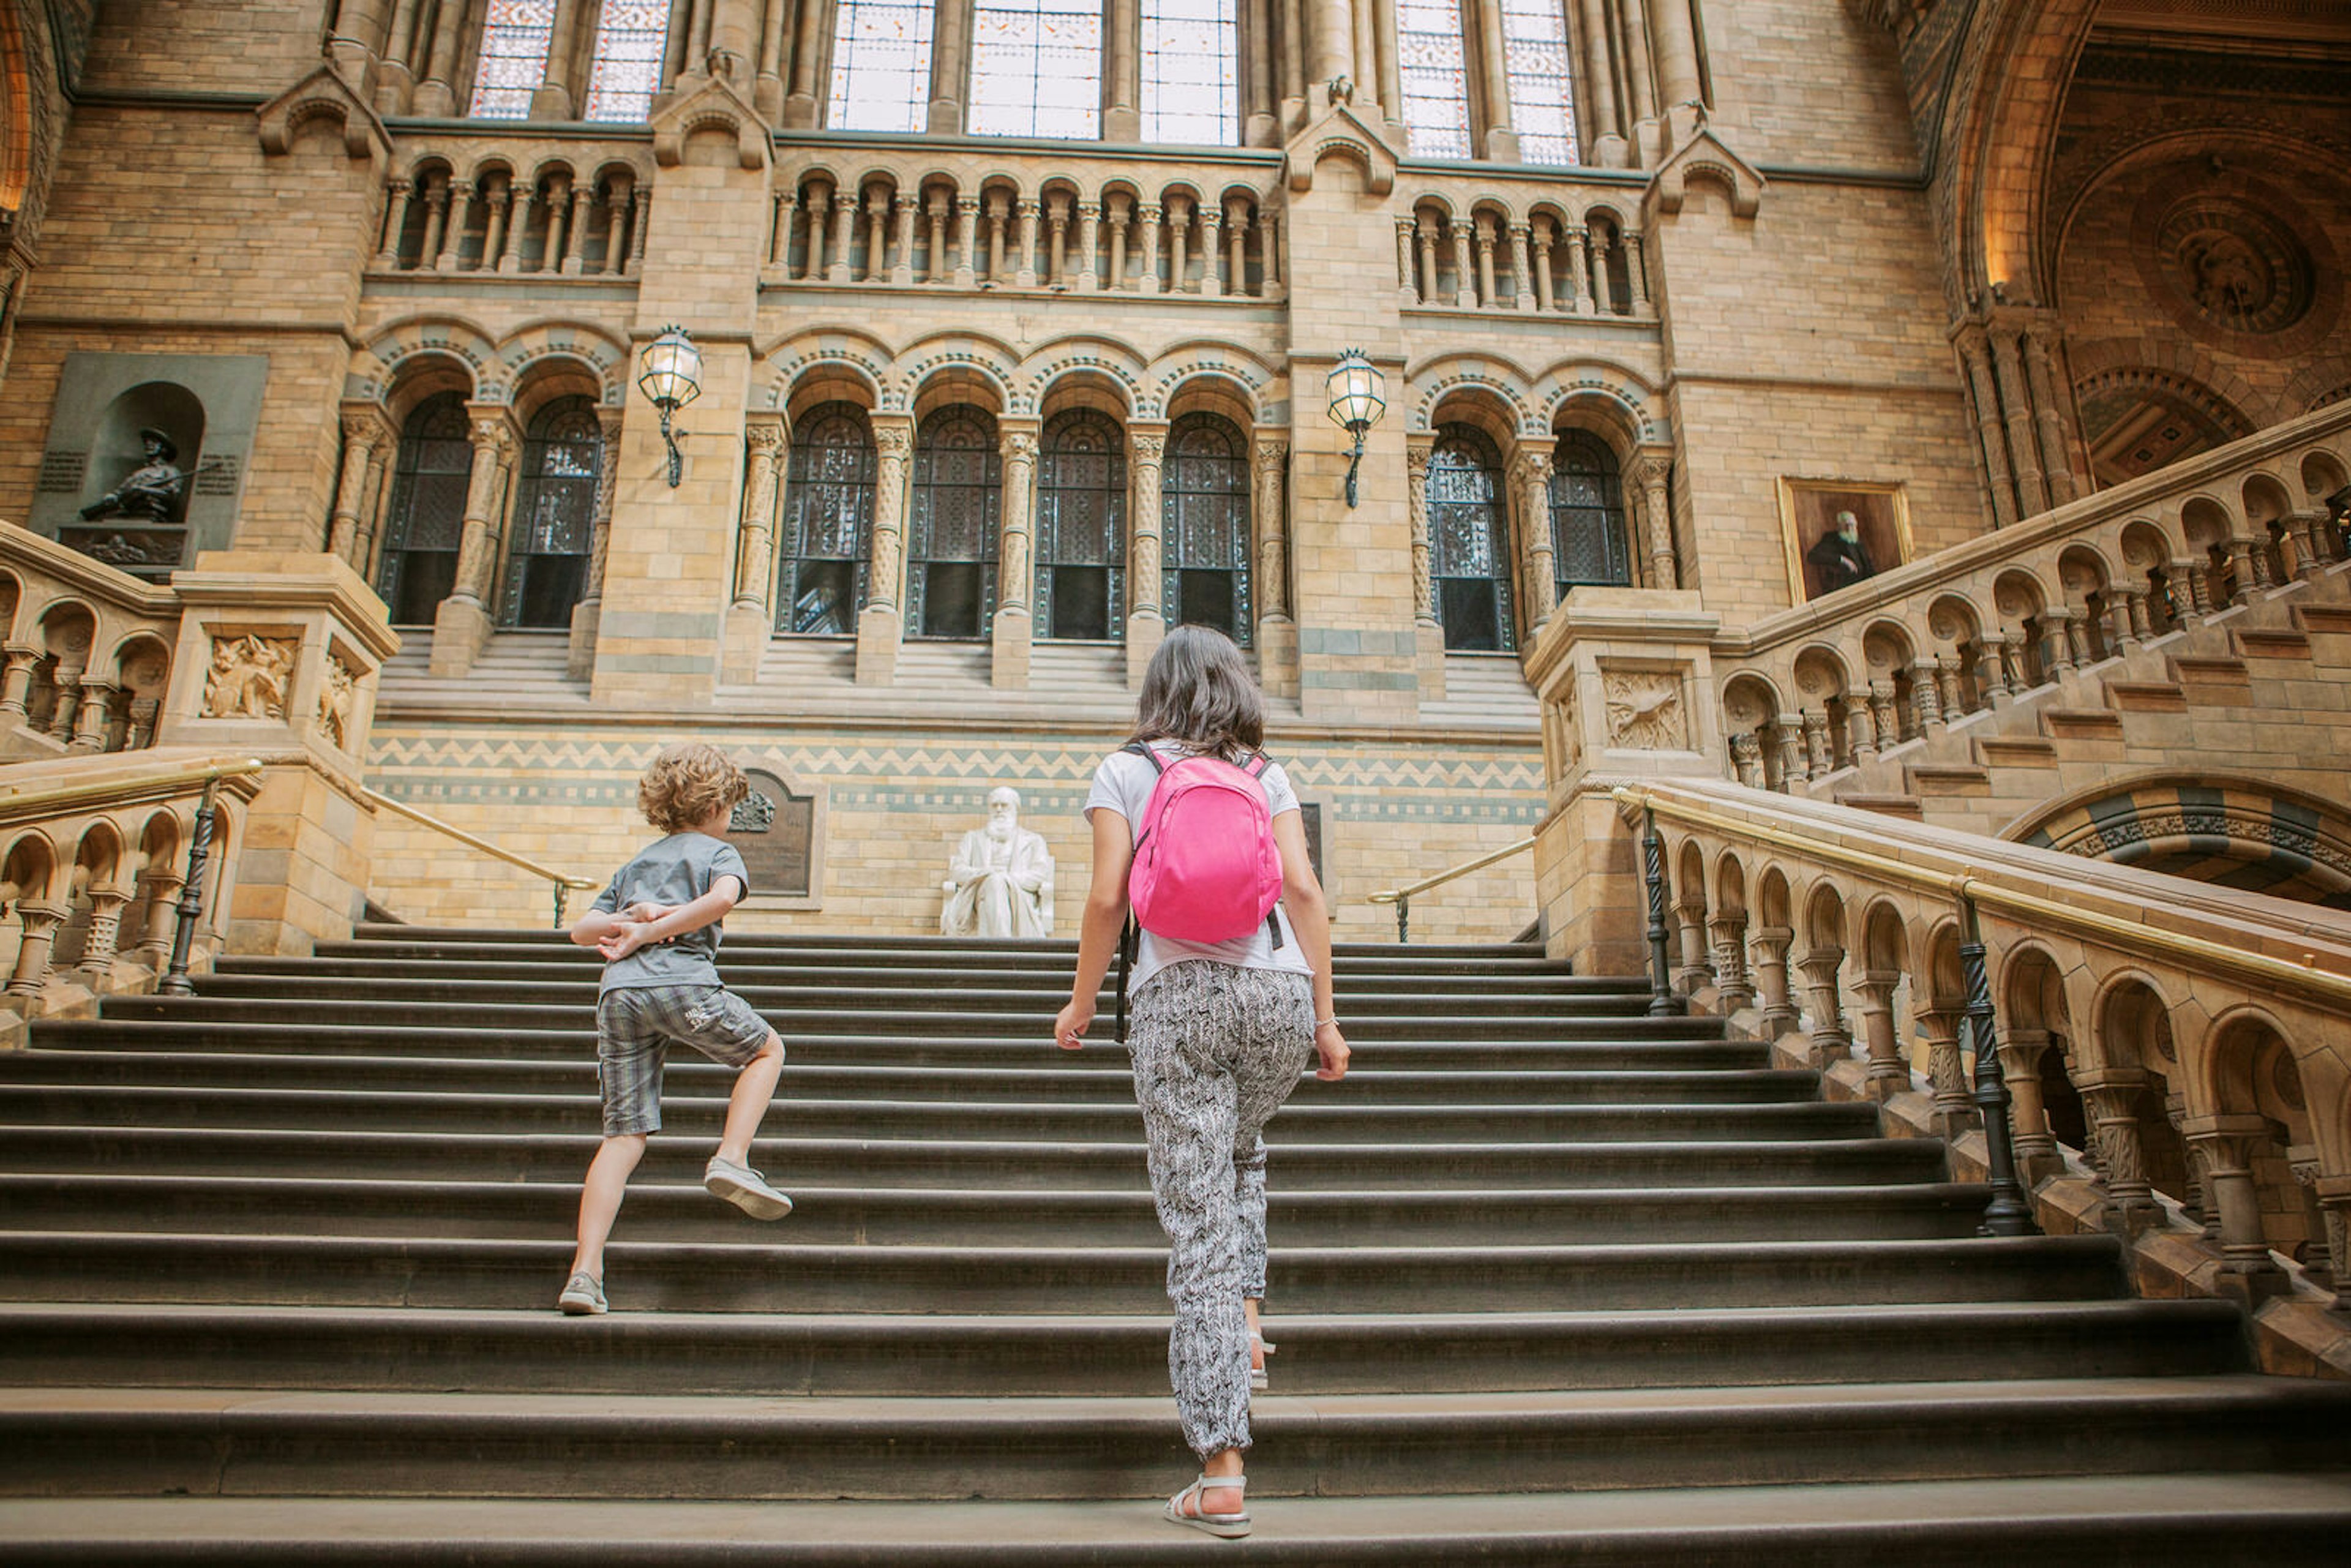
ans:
(564, 884)
(2258, 968)
(1402, 896)
(66, 797)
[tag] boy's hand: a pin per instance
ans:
(647, 913)
(1069, 1026)
(622, 940)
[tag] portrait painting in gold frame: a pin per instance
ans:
(1822, 554)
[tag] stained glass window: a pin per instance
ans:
(828, 524)
(881, 65)
(951, 539)
(1191, 81)
(631, 36)
(1542, 97)
(1587, 514)
(430, 475)
(1036, 69)
(514, 37)
(554, 515)
(1081, 528)
(1466, 530)
(1204, 530)
(1435, 84)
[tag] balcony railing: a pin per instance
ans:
(88, 653)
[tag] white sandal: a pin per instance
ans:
(1265, 1346)
(1226, 1526)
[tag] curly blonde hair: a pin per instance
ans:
(687, 784)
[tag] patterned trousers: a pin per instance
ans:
(1217, 1051)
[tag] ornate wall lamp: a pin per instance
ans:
(669, 373)
(1358, 398)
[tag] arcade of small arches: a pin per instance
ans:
(77, 672)
(496, 215)
(2167, 1082)
(87, 890)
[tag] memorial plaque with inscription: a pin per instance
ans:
(62, 472)
(775, 832)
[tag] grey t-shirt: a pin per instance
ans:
(678, 868)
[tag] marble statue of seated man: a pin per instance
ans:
(1000, 880)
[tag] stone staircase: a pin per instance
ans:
(1554, 1280)
(2261, 691)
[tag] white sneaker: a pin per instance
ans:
(583, 1296)
(746, 1188)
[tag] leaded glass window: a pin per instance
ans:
(1542, 96)
(826, 534)
(515, 38)
(1191, 72)
(1435, 81)
(1467, 560)
(1081, 528)
(951, 533)
(554, 515)
(427, 517)
(631, 36)
(1204, 530)
(881, 65)
(1587, 514)
(1036, 69)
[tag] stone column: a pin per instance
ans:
(462, 624)
(1975, 358)
(1465, 275)
(877, 234)
(2112, 1101)
(2226, 1146)
(749, 622)
(767, 90)
(1539, 258)
(1293, 53)
(1148, 281)
(436, 224)
(2020, 1063)
(1145, 626)
(1955, 1109)
(1595, 81)
(844, 215)
(1258, 122)
(786, 205)
(1426, 232)
(435, 96)
(1057, 241)
(1860, 738)
(1011, 633)
(1502, 140)
(1603, 292)
(551, 99)
(1121, 206)
(1992, 668)
(1523, 292)
(99, 941)
(1636, 273)
(361, 434)
(817, 203)
(2253, 567)
(398, 193)
(1770, 947)
(1484, 226)
(1089, 246)
(2190, 579)
(1211, 251)
(397, 75)
(937, 207)
(1428, 636)
(1926, 696)
(2008, 372)
(1579, 266)
(1179, 237)
(1123, 34)
(2334, 1196)
(1640, 84)
(1277, 631)
(498, 196)
(1790, 729)
(89, 715)
(1889, 1073)
(1531, 474)
(1268, 247)
(155, 891)
(966, 240)
(587, 615)
(1651, 472)
(638, 228)
(1695, 972)
(808, 40)
(144, 711)
(1728, 954)
(950, 66)
(1407, 282)
(879, 623)
(902, 269)
(40, 919)
(1024, 270)
(1827, 1036)
(2049, 423)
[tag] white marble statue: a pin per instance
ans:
(1000, 880)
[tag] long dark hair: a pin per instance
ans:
(1199, 691)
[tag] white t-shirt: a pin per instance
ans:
(1124, 784)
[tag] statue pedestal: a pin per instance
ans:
(877, 646)
(460, 629)
(1008, 650)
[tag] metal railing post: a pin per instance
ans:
(175, 981)
(2009, 1213)
(1662, 1001)
(1404, 917)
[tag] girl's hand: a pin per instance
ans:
(1331, 1047)
(1069, 1026)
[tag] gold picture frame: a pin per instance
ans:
(1808, 510)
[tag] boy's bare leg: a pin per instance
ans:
(754, 1087)
(600, 1198)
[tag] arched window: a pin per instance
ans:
(881, 65)
(1191, 77)
(419, 564)
(1036, 69)
(1467, 561)
(554, 515)
(1081, 528)
(826, 537)
(951, 535)
(631, 36)
(1542, 96)
(1587, 514)
(1204, 530)
(1435, 84)
(515, 38)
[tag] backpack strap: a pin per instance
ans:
(1126, 944)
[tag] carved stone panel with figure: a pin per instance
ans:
(775, 832)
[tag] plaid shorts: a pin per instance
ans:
(635, 1027)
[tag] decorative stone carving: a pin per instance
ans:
(338, 697)
(1645, 711)
(1000, 880)
(249, 677)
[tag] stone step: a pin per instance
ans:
(934, 1162)
(2323, 620)
(77, 1442)
(959, 954)
(1332, 1120)
(1016, 1352)
(2279, 1521)
(2270, 643)
(2211, 678)
(2147, 696)
(1932, 780)
(2083, 724)
(329, 1203)
(2016, 751)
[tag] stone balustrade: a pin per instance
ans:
(988, 218)
(2194, 1040)
(86, 653)
(1549, 247)
(527, 208)
(1848, 676)
(93, 857)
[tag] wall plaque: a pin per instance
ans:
(774, 829)
(62, 472)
